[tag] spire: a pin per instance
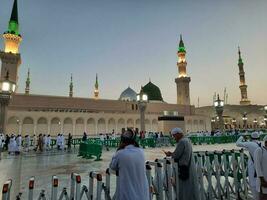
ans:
(96, 91)
(240, 61)
(14, 14)
(28, 81)
(71, 87)
(96, 82)
(13, 26)
(181, 45)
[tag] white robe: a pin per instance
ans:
(48, 142)
(12, 146)
(19, 142)
(251, 147)
(261, 167)
(62, 142)
(188, 189)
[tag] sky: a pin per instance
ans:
(128, 42)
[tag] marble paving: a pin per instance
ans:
(44, 165)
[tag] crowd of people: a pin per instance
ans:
(15, 144)
(129, 160)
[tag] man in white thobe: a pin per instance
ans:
(48, 143)
(183, 155)
(251, 147)
(27, 143)
(129, 160)
(62, 142)
(261, 169)
(58, 142)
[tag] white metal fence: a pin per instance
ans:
(221, 175)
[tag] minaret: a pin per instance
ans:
(243, 86)
(182, 82)
(10, 56)
(71, 87)
(27, 88)
(96, 91)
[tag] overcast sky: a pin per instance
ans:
(129, 41)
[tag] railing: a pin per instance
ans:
(155, 142)
(220, 175)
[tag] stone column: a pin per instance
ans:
(74, 128)
(20, 127)
(34, 128)
(49, 127)
(4, 101)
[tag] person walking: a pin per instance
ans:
(251, 147)
(7, 140)
(261, 169)
(48, 143)
(69, 141)
(27, 143)
(40, 143)
(129, 161)
(1, 144)
(84, 138)
(183, 155)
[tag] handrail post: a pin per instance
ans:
(31, 188)
(54, 188)
(6, 190)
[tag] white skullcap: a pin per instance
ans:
(176, 131)
(265, 138)
(255, 135)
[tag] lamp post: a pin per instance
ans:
(7, 87)
(255, 123)
(245, 120)
(213, 123)
(142, 100)
(234, 122)
(219, 104)
(265, 116)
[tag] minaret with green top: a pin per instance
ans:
(96, 91)
(243, 87)
(10, 56)
(12, 36)
(71, 87)
(28, 81)
(182, 82)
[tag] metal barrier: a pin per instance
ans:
(220, 175)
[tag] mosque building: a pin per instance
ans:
(29, 113)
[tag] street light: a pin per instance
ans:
(7, 87)
(142, 100)
(234, 122)
(255, 121)
(245, 119)
(219, 104)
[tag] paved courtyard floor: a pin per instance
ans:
(44, 165)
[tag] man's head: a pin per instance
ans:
(265, 140)
(255, 136)
(128, 137)
(177, 133)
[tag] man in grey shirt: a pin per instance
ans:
(129, 160)
(183, 155)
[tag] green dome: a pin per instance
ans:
(152, 91)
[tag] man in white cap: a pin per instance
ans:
(129, 161)
(251, 147)
(183, 155)
(261, 169)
